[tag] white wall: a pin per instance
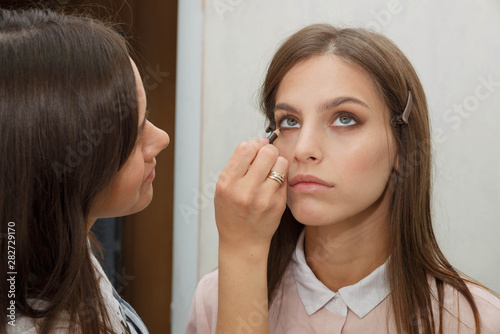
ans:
(453, 44)
(187, 162)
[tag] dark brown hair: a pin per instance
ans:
(415, 254)
(68, 122)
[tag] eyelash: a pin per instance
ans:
(337, 116)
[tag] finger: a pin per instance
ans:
(243, 156)
(265, 159)
(281, 167)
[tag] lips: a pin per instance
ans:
(304, 183)
(151, 175)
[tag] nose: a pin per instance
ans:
(308, 146)
(165, 139)
(157, 142)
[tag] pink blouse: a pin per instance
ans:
(304, 305)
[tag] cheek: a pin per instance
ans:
(135, 171)
(286, 144)
(131, 175)
(369, 163)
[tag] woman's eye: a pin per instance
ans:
(344, 120)
(289, 122)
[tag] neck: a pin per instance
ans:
(343, 253)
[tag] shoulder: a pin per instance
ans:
(207, 293)
(488, 306)
(209, 281)
(484, 297)
(22, 325)
(203, 314)
(207, 289)
(62, 324)
(459, 312)
(27, 325)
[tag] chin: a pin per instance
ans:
(309, 216)
(141, 204)
(145, 204)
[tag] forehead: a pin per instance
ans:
(325, 77)
(141, 94)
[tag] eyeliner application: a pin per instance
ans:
(273, 136)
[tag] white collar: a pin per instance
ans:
(360, 298)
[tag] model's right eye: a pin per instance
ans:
(288, 122)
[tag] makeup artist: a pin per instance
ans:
(353, 250)
(76, 146)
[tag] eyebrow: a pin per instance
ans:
(326, 105)
(143, 124)
(341, 100)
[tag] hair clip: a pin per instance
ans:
(403, 117)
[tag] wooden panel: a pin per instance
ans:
(147, 236)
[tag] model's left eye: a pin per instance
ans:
(344, 120)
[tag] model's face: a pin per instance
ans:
(132, 189)
(337, 139)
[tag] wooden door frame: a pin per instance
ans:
(148, 235)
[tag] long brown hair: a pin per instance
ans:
(415, 254)
(68, 122)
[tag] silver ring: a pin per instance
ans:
(278, 177)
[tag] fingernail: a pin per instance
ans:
(264, 139)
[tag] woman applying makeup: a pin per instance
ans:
(354, 251)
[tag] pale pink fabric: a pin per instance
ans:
(304, 306)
